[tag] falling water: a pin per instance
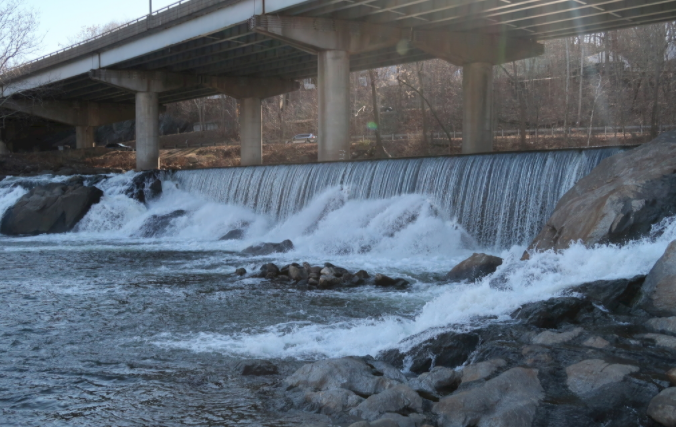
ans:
(500, 199)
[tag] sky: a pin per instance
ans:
(61, 20)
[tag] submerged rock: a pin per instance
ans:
(236, 234)
(511, 399)
(387, 282)
(618, 201)
(157, 225)
(51, 208)
(474, 268)
(258, 368)
(145, 187)
(269, 248)
(658, 294)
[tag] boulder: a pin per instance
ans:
(258, 368)
(331, 402)
(51, 208)
(448, 349)
(400, 399)
(658, 294)
(552, 312)
(156, 225)
(663, 324)
(592, 374)
(145, 186)
(510, 399)
(269, 248)
(439, 381)
(240, 271)
(349, 373)
(664, 341)
(474, 268)
(481, 370)
(618, 201)
(617, 296)
(663, 407)
(297, 273)
(553, 338)
(236, 234)
(387, 282)
(596, 342)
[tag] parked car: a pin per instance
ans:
(303, 137)
(118, 146)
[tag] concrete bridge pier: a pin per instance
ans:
(333, 92)
(84, 136)
(477, 92)
(147, 131)
(250, 91)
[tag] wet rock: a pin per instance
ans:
(145, 187)
(474, 268)
(589, 375)
(269, 248)
(259, 368)
(240, 271)
(596, 342)
(448, 349)
(236, 234)
(269, 271)
(671, 375)
(398, 420)
(388, 282)
(511, 399)
(328, 282)
(552, 338)
(400, 399)
(348, 373)
(51, 208)
(362, 274)
(664, 341)
(481, 370)
(618, 201)
(658, 294)
(439, 381)
(297, 273)
(663, 407)
(383, 368)
(617, 296)
(662, 324)
(331, 402)
(552, 312)
(156, 225)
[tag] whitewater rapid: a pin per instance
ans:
(406, 234)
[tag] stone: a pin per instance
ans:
(400, 399)
(474, 268)
(331, 402)
(663, 407)
(349, 373)
(592, 374)
(240, 271)
(663, 324)
(671, 375)
(387, 370)
(481, 370)
(552, 338)
(658, 294)
(259, 368)
(596, 342)
(51, 208)
(362, 274)
(297, 273)
(156, 225)
(618, 201)
(615, 295)
(236, 234)
(388, 282)
(145, 187)
(361, 424)
(269, 271)
(664, 341)
(552, 312)
(328, 282)
(437, 382)
(411, 420)
(269, 248)
(449, 349)
(508, 400)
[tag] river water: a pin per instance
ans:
(134, 320)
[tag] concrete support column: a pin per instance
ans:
(477, 126)
(334, 105)
(147, 131)
(84, 136)
(250, 131)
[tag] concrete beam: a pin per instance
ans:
(145, 81)
(315, 35)
(466, 48)
(250, 87)
(74, 113)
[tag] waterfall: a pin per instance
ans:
(500, 199)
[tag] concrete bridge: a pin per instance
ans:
(254, 49)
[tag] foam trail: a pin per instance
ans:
(458, 306)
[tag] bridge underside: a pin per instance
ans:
(254, 49)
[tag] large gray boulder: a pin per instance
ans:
(663, 407)
(400, 399)
(508, 400)
(658, 294)
(474, 268)
(618, 201)
(51, 208)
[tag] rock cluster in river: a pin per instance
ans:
(50, 208)
(327, 277)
